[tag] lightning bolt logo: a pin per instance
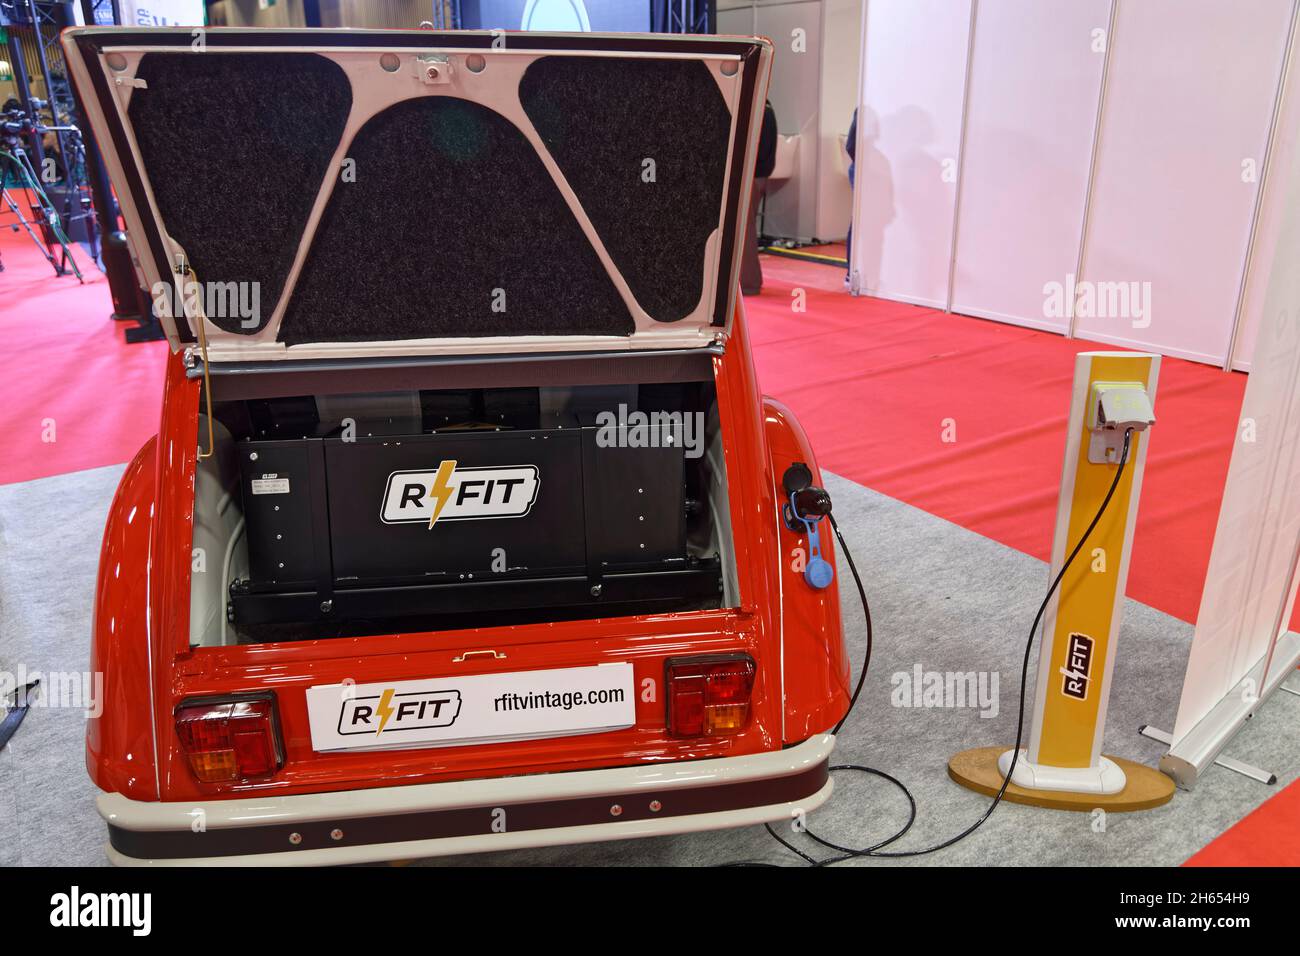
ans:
(440, 490)
(384, 709)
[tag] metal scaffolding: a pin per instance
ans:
(684, 16)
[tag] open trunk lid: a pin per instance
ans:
(331, 193)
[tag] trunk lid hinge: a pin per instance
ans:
(185, 272)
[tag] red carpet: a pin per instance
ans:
(65, 372)
(836, 250)
(1269, 836)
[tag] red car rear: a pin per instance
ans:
(463, 529)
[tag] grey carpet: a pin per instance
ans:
(50, 532)
(941, 596)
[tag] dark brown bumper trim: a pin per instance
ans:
(470, 821)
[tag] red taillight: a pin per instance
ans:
(709, 696)
(225, 740)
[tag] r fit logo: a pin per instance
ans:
(390, 712)
(460, 494)
(1078, 667)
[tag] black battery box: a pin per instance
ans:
(372, 525)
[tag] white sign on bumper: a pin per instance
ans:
(484, 708)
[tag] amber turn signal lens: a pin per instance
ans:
(229, 740)
(709, 696)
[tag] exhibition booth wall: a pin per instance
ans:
(1088, 167)
(813, 91)
(1243, 648)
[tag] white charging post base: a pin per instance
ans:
(1106, 777)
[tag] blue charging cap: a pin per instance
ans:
(819, 572)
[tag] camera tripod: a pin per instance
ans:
(15, 164)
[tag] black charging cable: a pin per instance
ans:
(875, 850)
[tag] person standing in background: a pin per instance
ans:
(850, 147)
(751, 270)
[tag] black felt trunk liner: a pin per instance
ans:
(237, 145)
(452, 228)
(605, 121)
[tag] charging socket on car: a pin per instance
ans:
(1113, 409)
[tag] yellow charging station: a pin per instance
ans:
(1063, 766)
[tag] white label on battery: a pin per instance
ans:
(270, 486)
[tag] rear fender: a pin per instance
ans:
(814, 661)
(120, 751)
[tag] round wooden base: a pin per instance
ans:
(1146, 788)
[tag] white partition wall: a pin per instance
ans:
(1241, 650)
(795, 92)
(736, 21)
(1111, 154)
(1273, 208)
(813, 91)
(841, 50)
(909, 136)
(1036, 69)
(1191, 90)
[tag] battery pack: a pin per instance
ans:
(385, 525)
